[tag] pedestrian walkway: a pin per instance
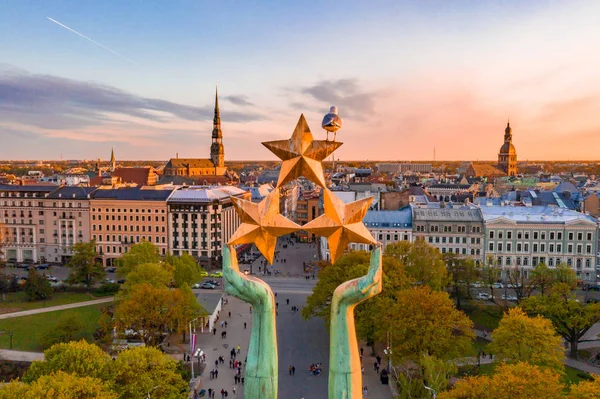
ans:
(20, 356)
(55, 308)
(214, 346)
(375, 389)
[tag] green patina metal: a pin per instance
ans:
(345, 377)
(262, 365)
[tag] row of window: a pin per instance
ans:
(143, 228)
(538, 247)
(129, 239)
(541, 235)
(449, 228)
(131, 210)
(525, 261)
(137, 218)
(453, 240)
(461, 251)
(101, 250)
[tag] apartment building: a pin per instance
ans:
(67, 221)
(121, 217)
(520, 236)
(308, 209)
(454, 229)
(23, 223)
(387, 227)
(201, 220)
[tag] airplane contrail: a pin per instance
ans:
(93, 41)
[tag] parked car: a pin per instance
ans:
(208, 286)
(498, 285)
(214, 282)
(51, 278)
(109, 280)
(510, 298)
(484, 296)
(111, 269)
(43, 266)
(477, 284)
(216, 274)
(246, 272)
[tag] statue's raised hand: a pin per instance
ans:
(345, 377)
(262, 366)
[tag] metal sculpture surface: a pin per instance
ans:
(345, 376)
(261, 365)
(261, 224)
(302, 155)
(341, 224)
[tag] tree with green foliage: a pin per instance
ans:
(37, 287)
(423, 321)
(132, 374)
(520, 338)
(520, 380)
(154, 274)
(139, 370)
(571, 318)
(59, 385)
(79, 358)
(154, 311)
(544, 276)
(437, 372)
(68, 329)
(84, 265)
(138, 254)
(187, 270)
(422, 262)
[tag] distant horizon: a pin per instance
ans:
(277, 160)
(410, 79)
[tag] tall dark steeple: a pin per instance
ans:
(217, 151)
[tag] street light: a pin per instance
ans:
(148, 397)
(192, 349)
(431, 390)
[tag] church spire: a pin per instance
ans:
(217, 152)
(113, 161)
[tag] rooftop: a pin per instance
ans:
(534, 214)
(76, 192)
(132, 194)
(205, 193)
(401, 218)
(454, 213)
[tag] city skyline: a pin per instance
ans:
(417, 76)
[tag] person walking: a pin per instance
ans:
(233, 390)
(238, 349)
(288, 301)
(365, 390)
(244, 325)
(293, 370)
(230, 314)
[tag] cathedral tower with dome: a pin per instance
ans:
(507, 157)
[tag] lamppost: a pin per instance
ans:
(148, 397)
(431, 390)
(191, 348)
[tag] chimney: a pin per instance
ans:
(177, 155)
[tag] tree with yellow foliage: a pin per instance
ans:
(59, 385)
(520, 338)
(586, 389)
(520, 380)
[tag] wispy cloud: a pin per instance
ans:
(346, 94)
(53, 102)
(241, 100)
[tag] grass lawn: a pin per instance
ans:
(486, 317)
(18, 301)
(28, 330)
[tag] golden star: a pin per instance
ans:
(261, 224)
(341, 224)
(302, 155)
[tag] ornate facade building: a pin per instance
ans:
(203, 169)
(507, 157)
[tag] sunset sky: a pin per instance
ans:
(405, 76)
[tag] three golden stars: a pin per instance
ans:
(262, 223)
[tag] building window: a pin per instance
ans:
(509, 235)
(589, 236)
(571, 236)
(491, 247)
(552, 235)
(491, 234)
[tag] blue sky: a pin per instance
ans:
(413, 74)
